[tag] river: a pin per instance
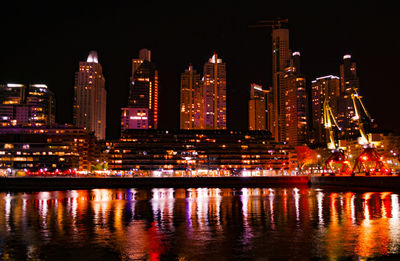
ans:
(198, 224)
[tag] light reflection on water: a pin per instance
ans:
(198, 223)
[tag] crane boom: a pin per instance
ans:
(272, 23)
(329, 123)
(360, 110)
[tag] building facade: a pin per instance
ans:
(190, 102)
(257, 108)
(213, 94)
(293, 104)
(143, 94)
(326, 87)
(21, 105)
(203, 102)
(230, 152)
(348, 84)
(47, 149)
(280, 60)
(90, 97)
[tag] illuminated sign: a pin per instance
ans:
(138, 118)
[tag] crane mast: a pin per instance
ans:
(369, 161)
(329, 123)
(363, 118)
(337, 162)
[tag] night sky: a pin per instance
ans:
(43, 43)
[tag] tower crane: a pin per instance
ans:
(369, 161)
(271, 23)
(337, 157)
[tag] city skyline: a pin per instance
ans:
(232, 39)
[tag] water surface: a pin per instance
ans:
(198, 224)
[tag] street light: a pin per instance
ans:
(319, 163)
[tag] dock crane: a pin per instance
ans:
(369, 161)
(337, 157)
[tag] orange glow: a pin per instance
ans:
(334, 214)
(156, 99)
(367, 196)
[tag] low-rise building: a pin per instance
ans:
(53, 148)
(200, 151)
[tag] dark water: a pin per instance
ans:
(198, 224)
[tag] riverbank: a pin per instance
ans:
(33, 183)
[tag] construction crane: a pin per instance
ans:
(272, 23)
(337, 157)
(369, 161)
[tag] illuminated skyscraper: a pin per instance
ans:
(90, 97)
(42, 103)
(213, 93)
(280, 60)
(142, 110)
(293, 104)
(326, 87)
(348, 83)
(189, 89)
(257, 108)
(26, 106)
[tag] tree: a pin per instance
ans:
(305, 156)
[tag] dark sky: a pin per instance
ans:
(44, 43)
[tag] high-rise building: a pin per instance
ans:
(326, 87)
(213, 93)
(21, 105)
(203, 102)
(280, 60)
(90, 97)
(257, 108)
(42, 103)
(348, 83)
(143, 95)
(293, 104)
(190, 80)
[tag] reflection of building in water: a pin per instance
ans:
(148, 223)
(163, 206)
